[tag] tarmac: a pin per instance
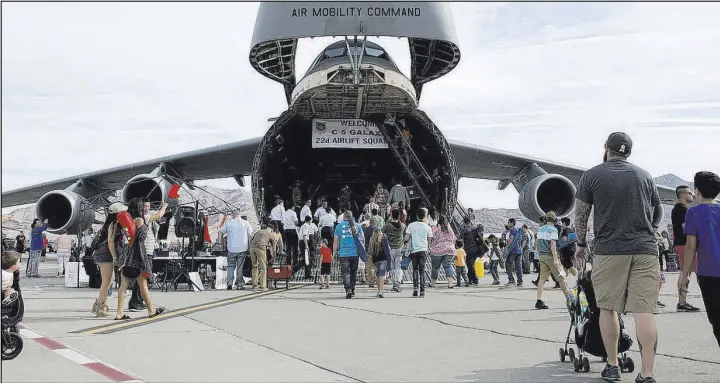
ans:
(481, 334)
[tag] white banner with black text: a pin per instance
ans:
(347, 133)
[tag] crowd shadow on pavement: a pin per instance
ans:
(554, 371)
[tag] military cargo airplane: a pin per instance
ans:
(352, 119)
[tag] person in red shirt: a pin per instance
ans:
(325, 262)
(44, 249)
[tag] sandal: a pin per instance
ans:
(158, 311)
(124, 317)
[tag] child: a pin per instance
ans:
(325, 262)
(494, 258)
(702, 226)
(460, 266)
(10, 263)
(379, 251)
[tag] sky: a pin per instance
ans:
(550, 80)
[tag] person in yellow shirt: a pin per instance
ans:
(460, 266)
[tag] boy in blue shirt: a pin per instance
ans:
(702, 226)
(346, 251)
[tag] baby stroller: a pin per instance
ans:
(13, 311)
(585, 320)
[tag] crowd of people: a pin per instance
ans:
(628, 249)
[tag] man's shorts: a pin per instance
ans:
(325, 268)
(548, 267)
(380, 269)
(680, 251)
(626, 283)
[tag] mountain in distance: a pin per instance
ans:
(493, 220)
(673, 181)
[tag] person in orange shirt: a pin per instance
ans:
(461, 270)
(325, 262)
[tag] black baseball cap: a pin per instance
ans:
(619, 142)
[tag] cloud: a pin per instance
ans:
(88, 86)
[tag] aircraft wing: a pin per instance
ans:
(475, 161)
(215, 162)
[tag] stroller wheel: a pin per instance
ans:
(12, 345)
(562, 354)
(629, 364)
(571, 354)
(576, 365)
(586, 364)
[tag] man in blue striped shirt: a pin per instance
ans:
(546, 246)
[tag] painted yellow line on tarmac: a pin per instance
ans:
(132, 323)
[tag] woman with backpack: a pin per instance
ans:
(105, 259)
(137, 264)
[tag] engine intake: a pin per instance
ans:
(548, 192)
(63, 211)
(147, 186)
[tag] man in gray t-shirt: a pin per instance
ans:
(625, 272)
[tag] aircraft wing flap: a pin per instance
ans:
(474, 161)
(208, 163)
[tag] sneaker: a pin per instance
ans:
(648, 379)
(495, 282)
(322, 287)
(611, 373)
(467, 285)
(380, 295)
(660, 304)
(240, 288)
(327, 286)
(422, 294)
(510, 284)
(396, 289)
(229, 287)
(348, 295)
(519, 284)
(352, 293)
(95, 307)
(557, 286)
(103, 311)
(535, 283)
(540, 305)
(265, 289)
(687, 307)
(415, 293)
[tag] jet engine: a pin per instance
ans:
(547, 192)
(148, 186)
(63, 211)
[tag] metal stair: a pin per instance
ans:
(408, 159)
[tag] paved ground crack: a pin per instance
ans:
(485, 329)
(274, 350)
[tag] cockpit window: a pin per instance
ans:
(372, 52)
(335, 52)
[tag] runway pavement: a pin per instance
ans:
(485, 334)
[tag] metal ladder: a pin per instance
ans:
(409, 160)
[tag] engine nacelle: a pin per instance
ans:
(63, 211)
(548, 192)
(147, 186)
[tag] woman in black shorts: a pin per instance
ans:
(105, 260)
